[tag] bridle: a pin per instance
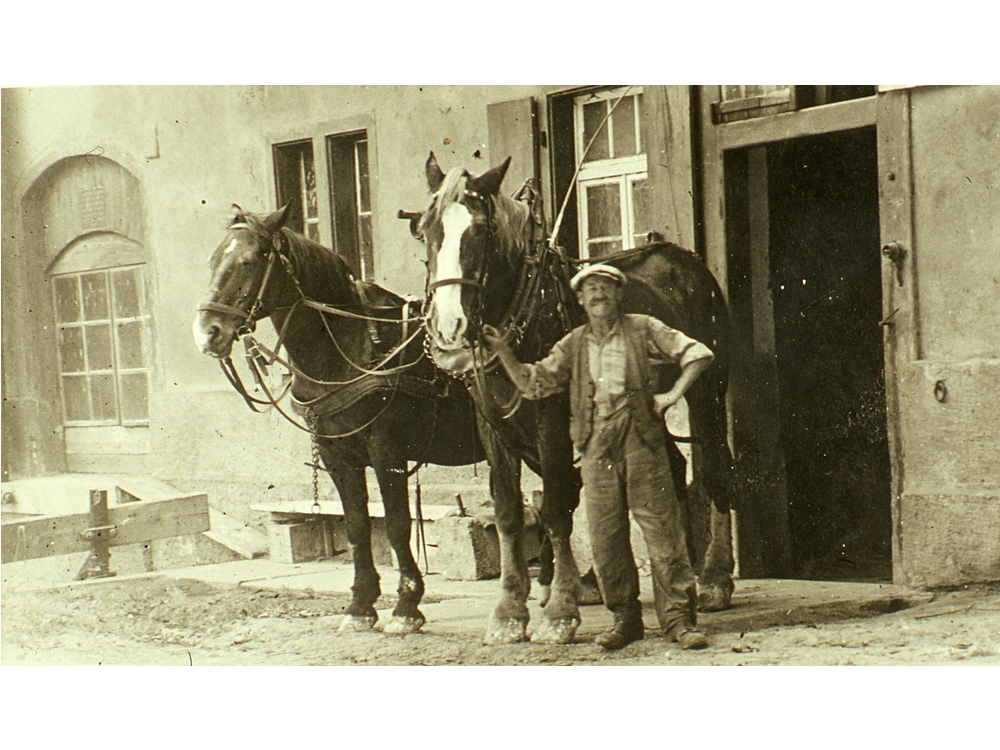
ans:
(478, 282)
(479, 279)
(256, 311)
(541, 265)
(259, 357)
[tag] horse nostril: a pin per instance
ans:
(213, 333)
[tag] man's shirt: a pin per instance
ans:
(607, 363)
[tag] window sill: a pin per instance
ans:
(108, 440)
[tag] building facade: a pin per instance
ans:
(854, 230)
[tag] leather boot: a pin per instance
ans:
(627, 628)
(688, 637)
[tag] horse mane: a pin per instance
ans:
(323, 274)
(452, 190)
(512, 219)
(514, 227)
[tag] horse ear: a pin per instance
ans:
(276, 220)
(434, 174)
(488, 183)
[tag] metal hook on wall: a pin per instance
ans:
(940, 391)
(896, 254)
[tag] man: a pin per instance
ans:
(608, 365)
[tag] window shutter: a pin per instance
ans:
(667, 125)
(513, 131)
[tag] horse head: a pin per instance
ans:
(461, 234)
(244, 281)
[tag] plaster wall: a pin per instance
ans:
(950, 389)
(195, 151)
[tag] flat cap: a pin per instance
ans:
(597, 269)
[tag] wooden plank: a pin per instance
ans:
(855, 113)
(899, 334)
(43, 537)
(667, 121)
(713, 191)
(298, 508)
(136, 523)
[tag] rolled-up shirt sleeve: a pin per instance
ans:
(551, 374)
(667, 344)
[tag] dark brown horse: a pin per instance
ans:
(361, 384)
(488, 263)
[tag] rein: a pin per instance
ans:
(544, 262)
(538, 266)
(259, 357)
(256, 310)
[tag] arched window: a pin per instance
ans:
(102, 319)
(85, 213)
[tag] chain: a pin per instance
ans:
(312, 421)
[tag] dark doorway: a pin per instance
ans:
(817, 240)
(827, 292)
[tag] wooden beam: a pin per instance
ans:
(135, 523)
(829, 118)
(900, 338)
(713, 191)
(667, 121)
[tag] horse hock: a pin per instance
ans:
(715, 582)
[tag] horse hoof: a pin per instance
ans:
(356, 624)
(403, 625)
(714, 599)
(560, 631)
(503, 632)
(544, 594)
(590, 595)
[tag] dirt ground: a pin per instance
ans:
(167, 621)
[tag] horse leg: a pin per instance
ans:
(350, 482)
(406, 617)
(546, 569)
(509, 620)
(715, 582)
(560, 496)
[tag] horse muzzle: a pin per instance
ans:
(212, 338)
(457, 361)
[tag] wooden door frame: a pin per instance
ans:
(898, 287)
(888, 113)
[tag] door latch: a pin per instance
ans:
(896, 253)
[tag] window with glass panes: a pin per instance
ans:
(349, 210)
(295, 175)
(103, 346)
(612, 195)
(350, 196)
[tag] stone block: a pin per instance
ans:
(381, 550)
(296, 542)
(464, 549)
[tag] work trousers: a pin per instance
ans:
(622, 472)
